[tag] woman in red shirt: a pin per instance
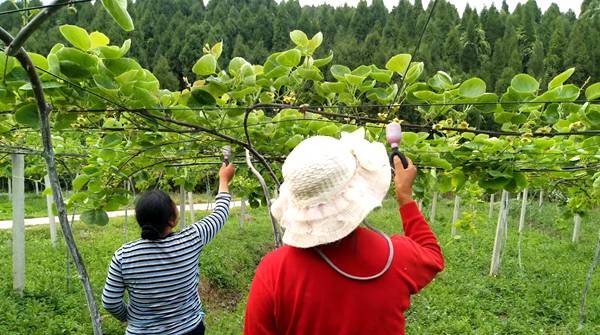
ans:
(332, 276)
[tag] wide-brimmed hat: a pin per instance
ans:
(330, 186)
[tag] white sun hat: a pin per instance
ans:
(329, 188)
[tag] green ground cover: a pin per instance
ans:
(542, 299)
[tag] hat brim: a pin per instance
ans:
(333, 220)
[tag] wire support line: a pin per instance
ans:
(43, 6)
(413, 55)
(306, 106)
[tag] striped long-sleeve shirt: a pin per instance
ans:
(161, 278)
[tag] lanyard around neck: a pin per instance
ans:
(375, 276)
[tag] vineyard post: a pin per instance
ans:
(208, 194)
(500, 231)
(48, 154)
(576, 228)
(455, 214)
(242, 212)
(588, 282)
(37, 188)
(191, 207)
(541, 200)
(522, 226)
(433, 207)
(18, 224)
(49, 205)
(182, 206)
(420, 204)
(9, 184)
(491, 212)
(127, 187)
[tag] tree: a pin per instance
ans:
(535, 66)
(164, 74)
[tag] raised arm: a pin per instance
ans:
(114, 289)
(209, 226)
(423, 251)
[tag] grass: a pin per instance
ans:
(542, 299)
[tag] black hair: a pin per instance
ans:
(153, 211)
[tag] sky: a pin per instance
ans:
(564, 5)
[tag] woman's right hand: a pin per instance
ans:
(226, 173)
(403, 180)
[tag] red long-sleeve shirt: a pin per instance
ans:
(295, 292)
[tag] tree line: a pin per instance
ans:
(494, 44)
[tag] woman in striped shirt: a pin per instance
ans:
(160, 271)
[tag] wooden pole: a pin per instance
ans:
(191, 205)
(541, 200)
(522, 225)
(208, 194)
(455, 214)
(576, 228)
(182, 206)
(18, 227)
(9, 184)
(433, 208)
(588, 283)
(500, 231)
(49, 206)
(242, 212)
(491, 212)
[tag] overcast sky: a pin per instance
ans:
(564, 5)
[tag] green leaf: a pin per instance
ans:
(77, 36)
(290, 58)
(310, 74)
(98, 39)
(293, 141)
(45, 85)
(235, 65)
(472, 88)
(336, 87)
(28, 115)
(299, 38)
(279, 71)
(37, 60)
(114, 51)
(593, 92)
(354, 80)
(118, 10)
(414, 72)
(524, 83)
(339, 71)
(95, 217)
(315, 42)
(80, 181)
(384, 76)
(568, 92)
(561, 78)
(206, 65)
(76, 64)
(6, 65)
(398, 63)
(441, 163)
(330, 130)
(201, 97)
(217, 49)
(323, 61)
